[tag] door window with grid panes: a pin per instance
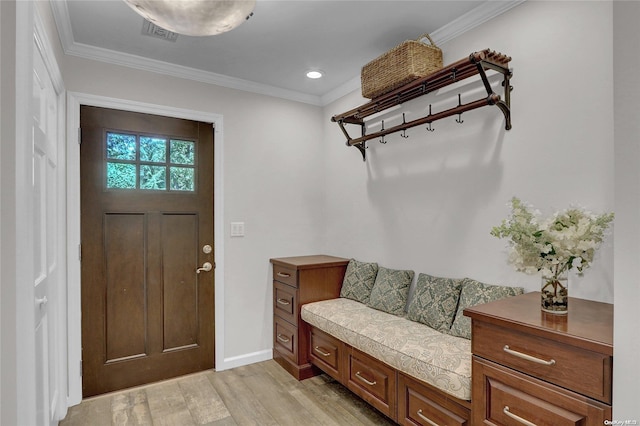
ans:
(154, 163)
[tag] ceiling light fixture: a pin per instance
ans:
(314, 74)
(195, 17)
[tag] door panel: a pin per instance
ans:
(179, 245)
(146, 212)
(125, 284)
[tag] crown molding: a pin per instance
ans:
(477, 16)
(344, 89)
(180, 71)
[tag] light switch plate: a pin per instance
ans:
(237, 229)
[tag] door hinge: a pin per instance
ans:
(80, 252)
(80, 368)
(79, 135)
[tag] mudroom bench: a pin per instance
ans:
(408, 371)
(408, 356)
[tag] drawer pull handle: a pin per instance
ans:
(284, 302)
(283, 275)
(365, 380)
(528, 357)
(321, 352)
(518, 419)
(283, 339)
(426, 419)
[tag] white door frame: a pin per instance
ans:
(74, 100)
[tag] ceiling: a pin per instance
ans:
(271, 52)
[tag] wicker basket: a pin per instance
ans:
(409, 61)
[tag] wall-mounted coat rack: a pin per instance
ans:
(476, 64)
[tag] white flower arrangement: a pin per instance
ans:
(568, 239)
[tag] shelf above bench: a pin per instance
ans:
(478, 63)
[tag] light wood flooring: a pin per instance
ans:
(257, 394)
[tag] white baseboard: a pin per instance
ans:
(246, 359)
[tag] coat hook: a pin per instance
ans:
(459, 120)
(404, 131)
(430, 129)
(382, 141)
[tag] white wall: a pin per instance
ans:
(429, 202)
(272, 182)
(626, 374)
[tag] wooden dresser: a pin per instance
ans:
(535, 368)
(296, 281)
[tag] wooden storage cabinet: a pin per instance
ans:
(296, 281)
(285, 302)
(419, 405)
(583, 371)
(400, 397)
(373, 381)
(514, 398)
(545, 369)
(328, 353)
(285, 339)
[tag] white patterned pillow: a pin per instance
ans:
(435, 301)
(476, 293)
(358, 280)
(390, 291)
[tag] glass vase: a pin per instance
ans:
(555, 294)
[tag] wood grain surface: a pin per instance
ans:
(257, 394)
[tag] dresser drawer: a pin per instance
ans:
(284, 338)
(285, 302)
(373, 381)
(418, 404)
(285, 275)
(326, 352)
(583, 371)
(504, 397)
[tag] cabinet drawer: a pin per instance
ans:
(285, 302)
(326, 352)
(502, 396)
(373, 381)
(285, 275)
(583, 371)
(284, 338)
(418, 404)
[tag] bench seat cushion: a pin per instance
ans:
(439, 359)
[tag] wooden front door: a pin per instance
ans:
(146, 227)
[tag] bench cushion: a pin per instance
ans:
(439, 359)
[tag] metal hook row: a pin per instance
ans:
(430, 128)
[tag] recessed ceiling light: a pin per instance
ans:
(314, 74)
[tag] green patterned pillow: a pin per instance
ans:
(434, 301)
(358, 280)
(476, 293)
(390, 291)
